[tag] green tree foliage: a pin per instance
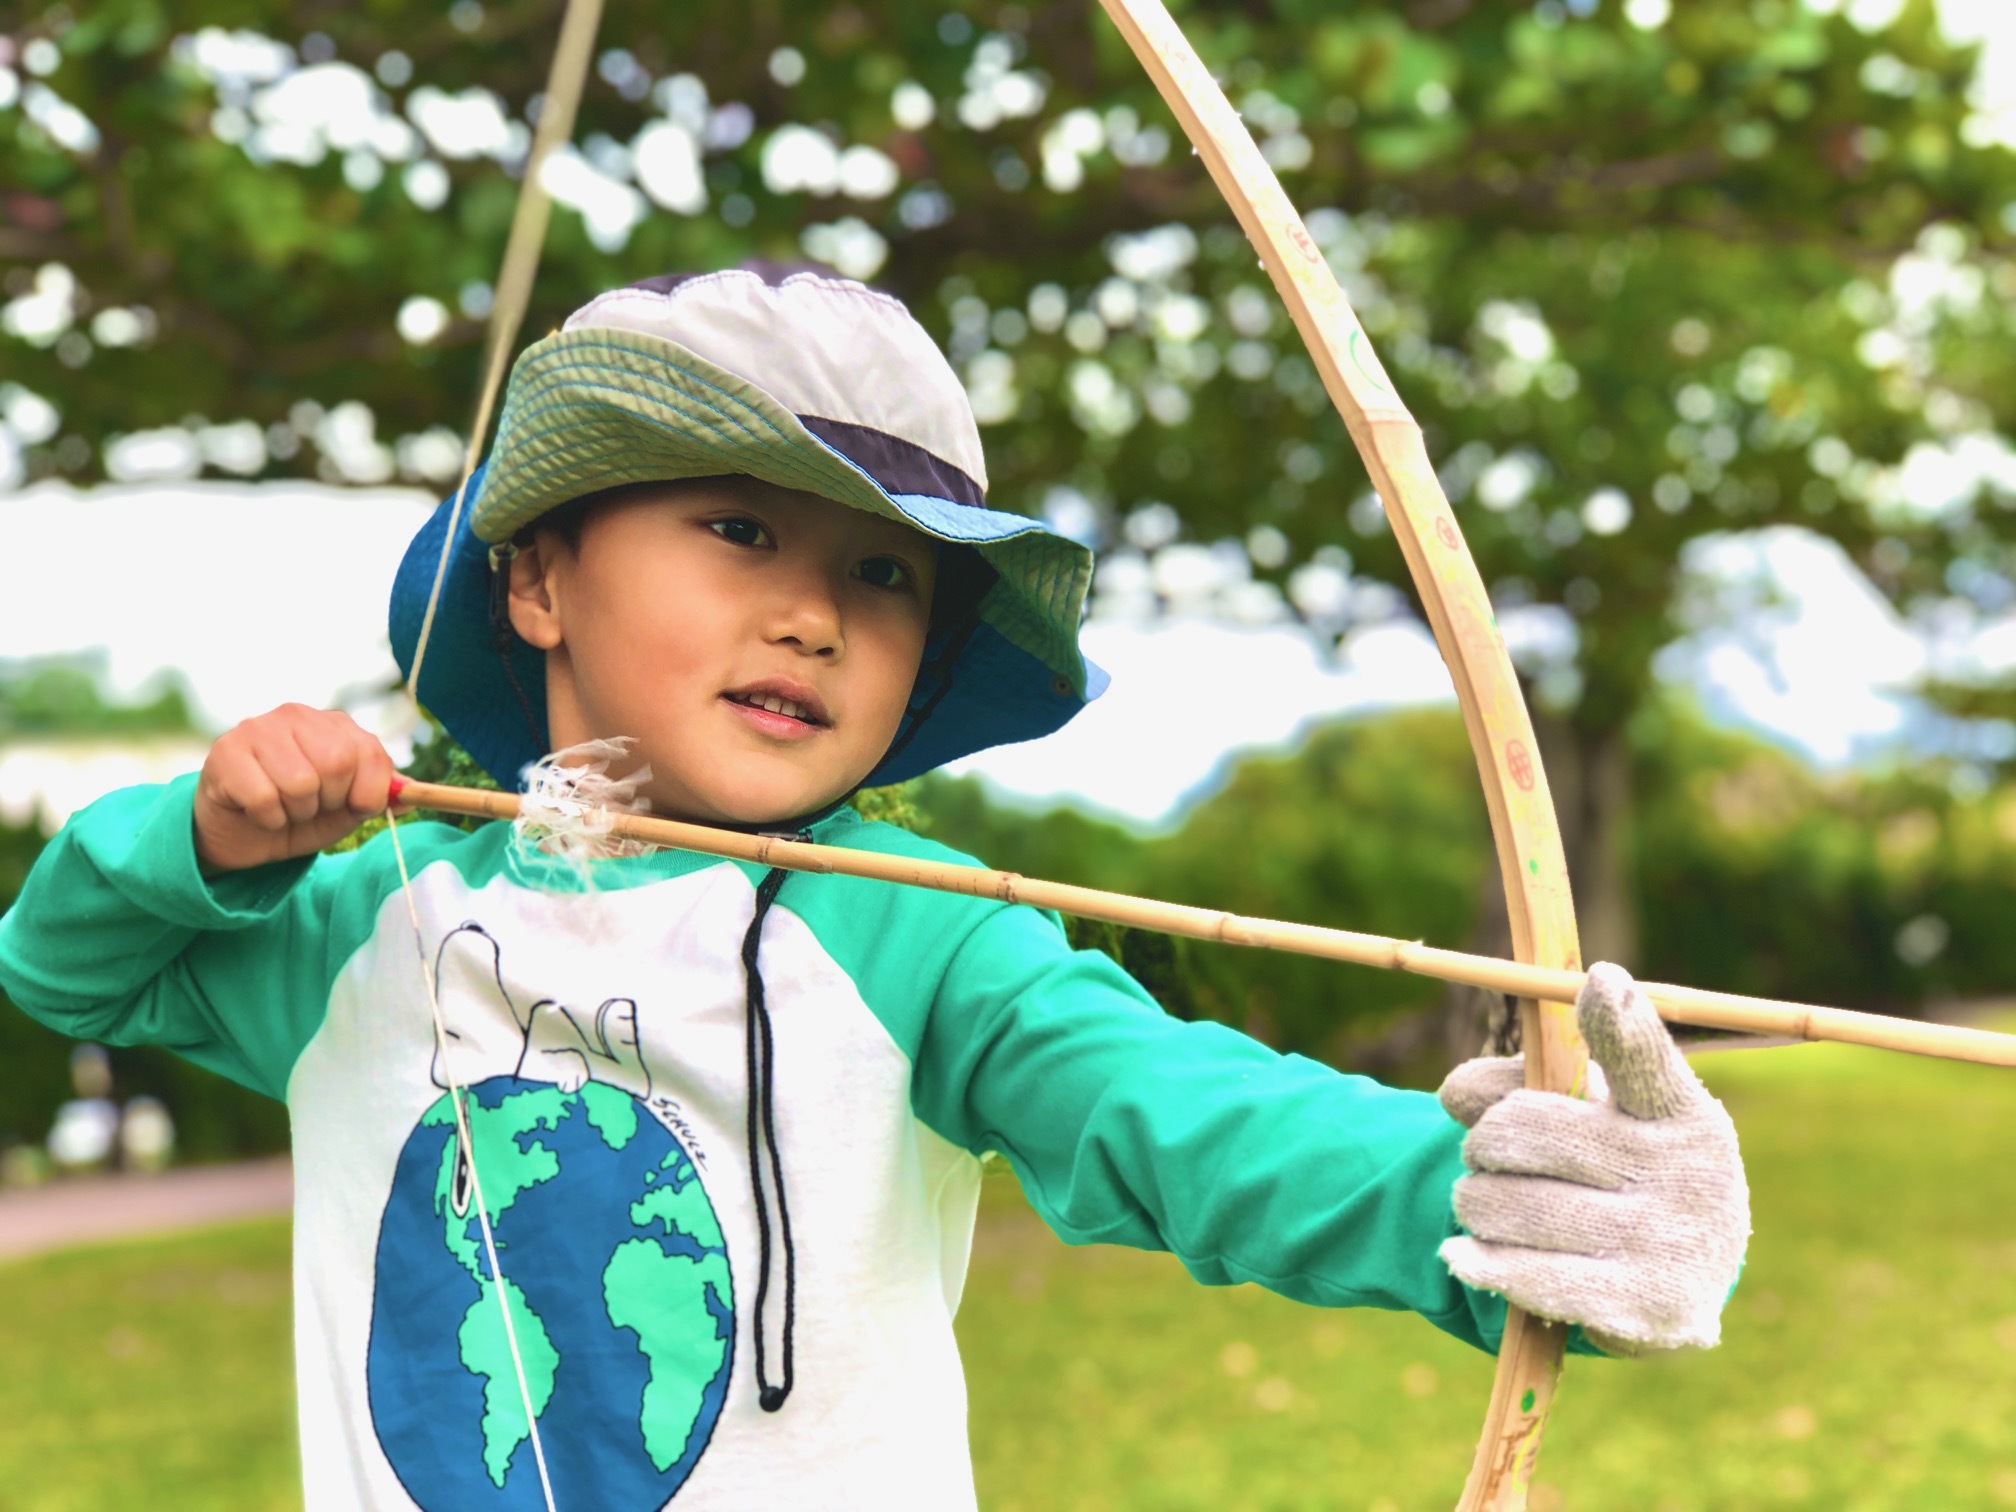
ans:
(1608, 254)
(1885, 891)
(1646, 272)
(37, 1075)
(64, 698)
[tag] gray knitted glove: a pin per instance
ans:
(1626, 1213)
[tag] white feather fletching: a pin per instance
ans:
(571, 802)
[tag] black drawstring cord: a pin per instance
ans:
(762, 1065)
(762, 1104)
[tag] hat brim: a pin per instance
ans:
(596, 407)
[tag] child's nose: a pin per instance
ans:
(809, 619)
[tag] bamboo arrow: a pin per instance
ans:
(1683, 1005)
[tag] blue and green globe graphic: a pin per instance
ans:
(619, 1288)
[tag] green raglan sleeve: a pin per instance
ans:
(1127, 1126)
(118, 937)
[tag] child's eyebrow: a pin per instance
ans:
(909, 544)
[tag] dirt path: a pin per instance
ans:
(95, 1209)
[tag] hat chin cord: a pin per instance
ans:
(939, 668)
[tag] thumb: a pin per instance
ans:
(1476, 1086)
(1649, 1077)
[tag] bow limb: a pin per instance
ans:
(1523, 823)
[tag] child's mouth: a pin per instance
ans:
(775, 713)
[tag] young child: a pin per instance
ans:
(728, 1124)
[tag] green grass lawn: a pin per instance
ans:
(1871, 1360)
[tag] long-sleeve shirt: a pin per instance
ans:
(600, 1027)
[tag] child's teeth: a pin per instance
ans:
(773, 705)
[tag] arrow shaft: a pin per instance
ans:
(1684, 1005)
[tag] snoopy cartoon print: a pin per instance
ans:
(585, 1217)
(549, 1041)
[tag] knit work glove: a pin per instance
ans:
(1626, 1213)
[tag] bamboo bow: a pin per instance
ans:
(1523, 824)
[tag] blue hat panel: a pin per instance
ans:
(999, 695)
(463, 682)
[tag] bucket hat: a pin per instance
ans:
(800, 378)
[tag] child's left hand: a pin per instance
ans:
(1627, 1213)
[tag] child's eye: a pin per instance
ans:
(883, 572)
(740, 530)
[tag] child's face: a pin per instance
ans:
(689, 606)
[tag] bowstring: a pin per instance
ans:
(555, 127)
(457, 1099)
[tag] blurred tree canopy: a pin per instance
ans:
(66, 697)
(1646, 271)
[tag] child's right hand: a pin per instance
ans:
(287, 784)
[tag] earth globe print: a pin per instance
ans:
(620, 1296)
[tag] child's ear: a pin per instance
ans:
(535, 597)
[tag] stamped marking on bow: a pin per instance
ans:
(1367, 363)
(1519, 763)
